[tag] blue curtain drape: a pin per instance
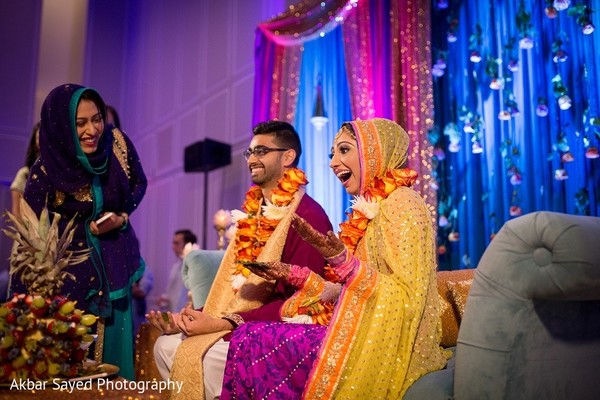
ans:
(323, 58)
(524, 156)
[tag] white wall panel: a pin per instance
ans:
(165, 151)
(191, 129)
(216, 127)
(218, 44)
(243, 89)
(242, 46)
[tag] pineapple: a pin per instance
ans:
(42, 334)
(41, 256)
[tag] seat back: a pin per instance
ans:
(198, 272)
(531, 327)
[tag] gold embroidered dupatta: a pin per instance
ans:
(386, 328)
(222, 300)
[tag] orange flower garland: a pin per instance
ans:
(253, 231)
(353, 229)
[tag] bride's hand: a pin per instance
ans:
(328, 245)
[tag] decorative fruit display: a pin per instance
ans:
(42, 338)
(42, 333)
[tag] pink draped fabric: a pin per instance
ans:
(359, 67)
(390, 75)
(304, 21)
(286, 78)
(414, 103)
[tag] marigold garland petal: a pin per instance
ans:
(253, 231)
(353, 229)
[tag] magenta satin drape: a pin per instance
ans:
(389, 74)
(388, 58)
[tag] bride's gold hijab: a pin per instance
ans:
(382, 145)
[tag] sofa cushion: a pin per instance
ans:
(459, 291)
(198, 272)
(436, 385)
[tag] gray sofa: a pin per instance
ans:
(531, 324)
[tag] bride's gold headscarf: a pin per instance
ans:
(382, 145)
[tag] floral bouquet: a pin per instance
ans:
(42, 334)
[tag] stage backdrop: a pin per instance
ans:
(500, 99)
(372, 59)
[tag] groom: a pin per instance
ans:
(272, 158)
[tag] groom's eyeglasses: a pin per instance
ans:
(261, 151)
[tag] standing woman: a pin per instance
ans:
(86, 171)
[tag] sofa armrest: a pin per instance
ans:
(545, 255)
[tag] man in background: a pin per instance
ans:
(176, 296)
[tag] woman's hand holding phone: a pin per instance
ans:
(107, 222)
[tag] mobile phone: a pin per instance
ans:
(254, 264)
(104, 218)
(165, 316)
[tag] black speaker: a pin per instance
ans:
(206, 155)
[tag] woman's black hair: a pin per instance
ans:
(33, 150)
(94, 96)
(188, 236)
(111, 109)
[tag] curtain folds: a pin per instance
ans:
(514, 86)
(412, 88)
(323, 61)
(304, 21)
(386, 48)
(278, 54)
(357, 42)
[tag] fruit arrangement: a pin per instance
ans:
(43, 338)
(42, 333)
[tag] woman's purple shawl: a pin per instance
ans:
(60, 177)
